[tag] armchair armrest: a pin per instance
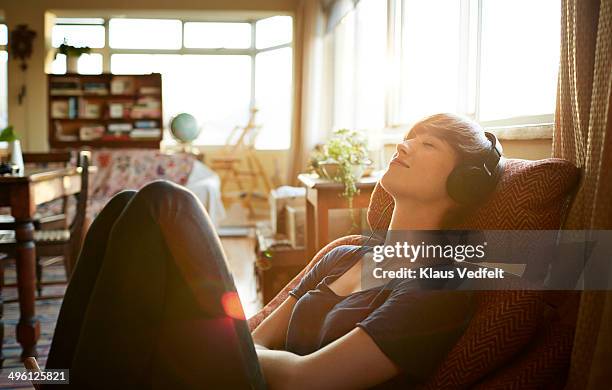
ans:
(256, 319)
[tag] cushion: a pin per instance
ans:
(504, 322)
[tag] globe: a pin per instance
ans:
(184, 127)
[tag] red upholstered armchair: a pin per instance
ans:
(516, 339)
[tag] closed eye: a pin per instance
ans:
(429, 145)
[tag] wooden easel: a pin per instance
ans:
(238, 160)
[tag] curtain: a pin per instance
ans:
(307, 129)
(583, 135)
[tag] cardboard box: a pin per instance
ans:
(295, 225)
(279, 199)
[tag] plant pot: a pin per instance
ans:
(72, 64)
(16, 155)
(330, 169)
(357, 170)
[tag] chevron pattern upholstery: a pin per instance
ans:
(515, 340)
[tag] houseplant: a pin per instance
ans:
(72, 54)
(342, 159)
(14, 147)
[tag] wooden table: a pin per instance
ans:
(323, 195)
(22, 194)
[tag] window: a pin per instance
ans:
(360, 46)
(213, 70)
(217, 35)
(493, 60)
(145, 34)
(3, 76)
(80, 32)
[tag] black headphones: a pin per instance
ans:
(471, 182)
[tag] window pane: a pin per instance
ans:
(519, 65)
(58, 66)
(79, 36)
(3, 89)
(371, 62)
(218, 35)
(273, 98)
(274, 31)
(145, 33)
(430, 58)
(3, 34)
(344, 76)
(90, 63)
(213, 88)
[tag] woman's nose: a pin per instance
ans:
(405, 147)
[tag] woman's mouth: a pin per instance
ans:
(397, 161)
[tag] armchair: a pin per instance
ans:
(516, 339)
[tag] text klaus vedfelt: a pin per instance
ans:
(413, 252)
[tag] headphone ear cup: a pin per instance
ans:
(466, 184)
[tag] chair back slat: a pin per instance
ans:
(78, 223)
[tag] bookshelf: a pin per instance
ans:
(106, 110)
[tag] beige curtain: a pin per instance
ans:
(583, 134)
(307, 129)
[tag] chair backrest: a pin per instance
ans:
(531, 195)
(77, 227)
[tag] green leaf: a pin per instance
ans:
(8, 135)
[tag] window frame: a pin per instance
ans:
(252, 51)
(4, 48)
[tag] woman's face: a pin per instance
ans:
(419, 168)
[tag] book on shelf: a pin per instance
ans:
(122, 85)
(59, 109)
(146, 107)
(89, 110)
(95, 88)
(119, 127)
(145, 133)
(145, 124)
(65, 86)
(73, 107)
(92, 132)
(60, 136)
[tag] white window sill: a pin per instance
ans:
(526, 132)
(393, 135)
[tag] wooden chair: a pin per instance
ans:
(239, 151)
(59, 244)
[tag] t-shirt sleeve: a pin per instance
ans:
(320, 270)
(416, 329)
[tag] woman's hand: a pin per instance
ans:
(271, 333)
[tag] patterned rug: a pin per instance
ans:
(46, 311)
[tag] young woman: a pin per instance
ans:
(151, 303)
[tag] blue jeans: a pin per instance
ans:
(147, 304)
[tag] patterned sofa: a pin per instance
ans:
(120, 169)
(517, 339)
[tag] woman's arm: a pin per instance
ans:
(271, 333)
(354, 361)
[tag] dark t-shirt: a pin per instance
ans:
(413, 327)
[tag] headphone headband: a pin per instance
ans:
(493, 155)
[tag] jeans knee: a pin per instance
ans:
(121, 199)
(164, 192)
